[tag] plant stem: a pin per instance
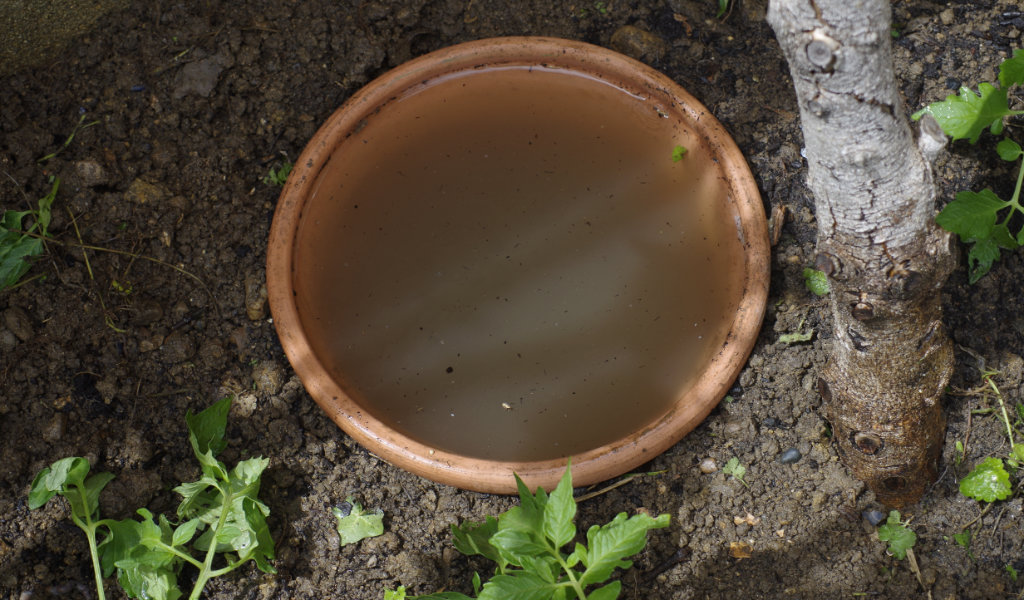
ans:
(999, 396)
(569, 572)
(206, 572)
(90, 534)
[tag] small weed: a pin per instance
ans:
(989, 481)
(734, 468)
(279, 175)
(816, 282)
(900, 537)
(18, 245)
(80, 126)
(678, 153)
(527, 544)
(723, 7)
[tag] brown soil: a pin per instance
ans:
(195, 102)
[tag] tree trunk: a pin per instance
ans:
(877, 241)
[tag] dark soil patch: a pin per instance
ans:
(195, 102)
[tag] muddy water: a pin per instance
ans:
(511, 276)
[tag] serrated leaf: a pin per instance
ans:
(980, 258)
(515, 544)
(971, 215)
(968, 114)
(56, 478)
(472, 539)
(608, 592)
(1011, 71)
(520, 585)
(608, 545)
(149, 583)
(988, 482)
(560, 511)
(206, 429)
(816, 282)
(900, 538)
(358, 524)
(263, 551)
(1009, 150)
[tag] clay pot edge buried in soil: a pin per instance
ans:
(650, 87)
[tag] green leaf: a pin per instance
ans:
(183, 533)
(963, 539)
(263, 551)
(1011, 71)
(608, 545)
(971, 215)
(988, 482)
(56, 478)
(398, 594)
(472, 539)
(816, 281)
(560, 511)
(206, 429)
(793, 338)
(734, 468)
(967, 115)
(1009, 150)
(520, 585)
(1018, 452)
(358, 524)
(678, 153)
(608, 592)
(900, 538)
(980, 258)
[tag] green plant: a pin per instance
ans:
(816, 282)
(678, 153)
(734, 468)
(989, 480)
(900, 537)
(723, 6)
(279, 175)
(222, 506)
(527, 544)
(17, 245)
(356, 523)
(982, 218)
(81, 125)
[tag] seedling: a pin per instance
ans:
(17, 245)
(900, 537)
(527, 543)
(982, 219)
(221, 507)
(989, 481)
(357, 524)
(734, 468)
(81, 125)
(816, 282)
(678, 153)
(723, 6)
(279, 175)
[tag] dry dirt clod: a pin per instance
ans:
(639, 44)
(18, 322)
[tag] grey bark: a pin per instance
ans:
(877, 241)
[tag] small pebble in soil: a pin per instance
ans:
(708, 465)
(790, 456)
(874, 516)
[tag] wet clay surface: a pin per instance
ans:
(195, 103)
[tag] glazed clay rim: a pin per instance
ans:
(489, 475)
